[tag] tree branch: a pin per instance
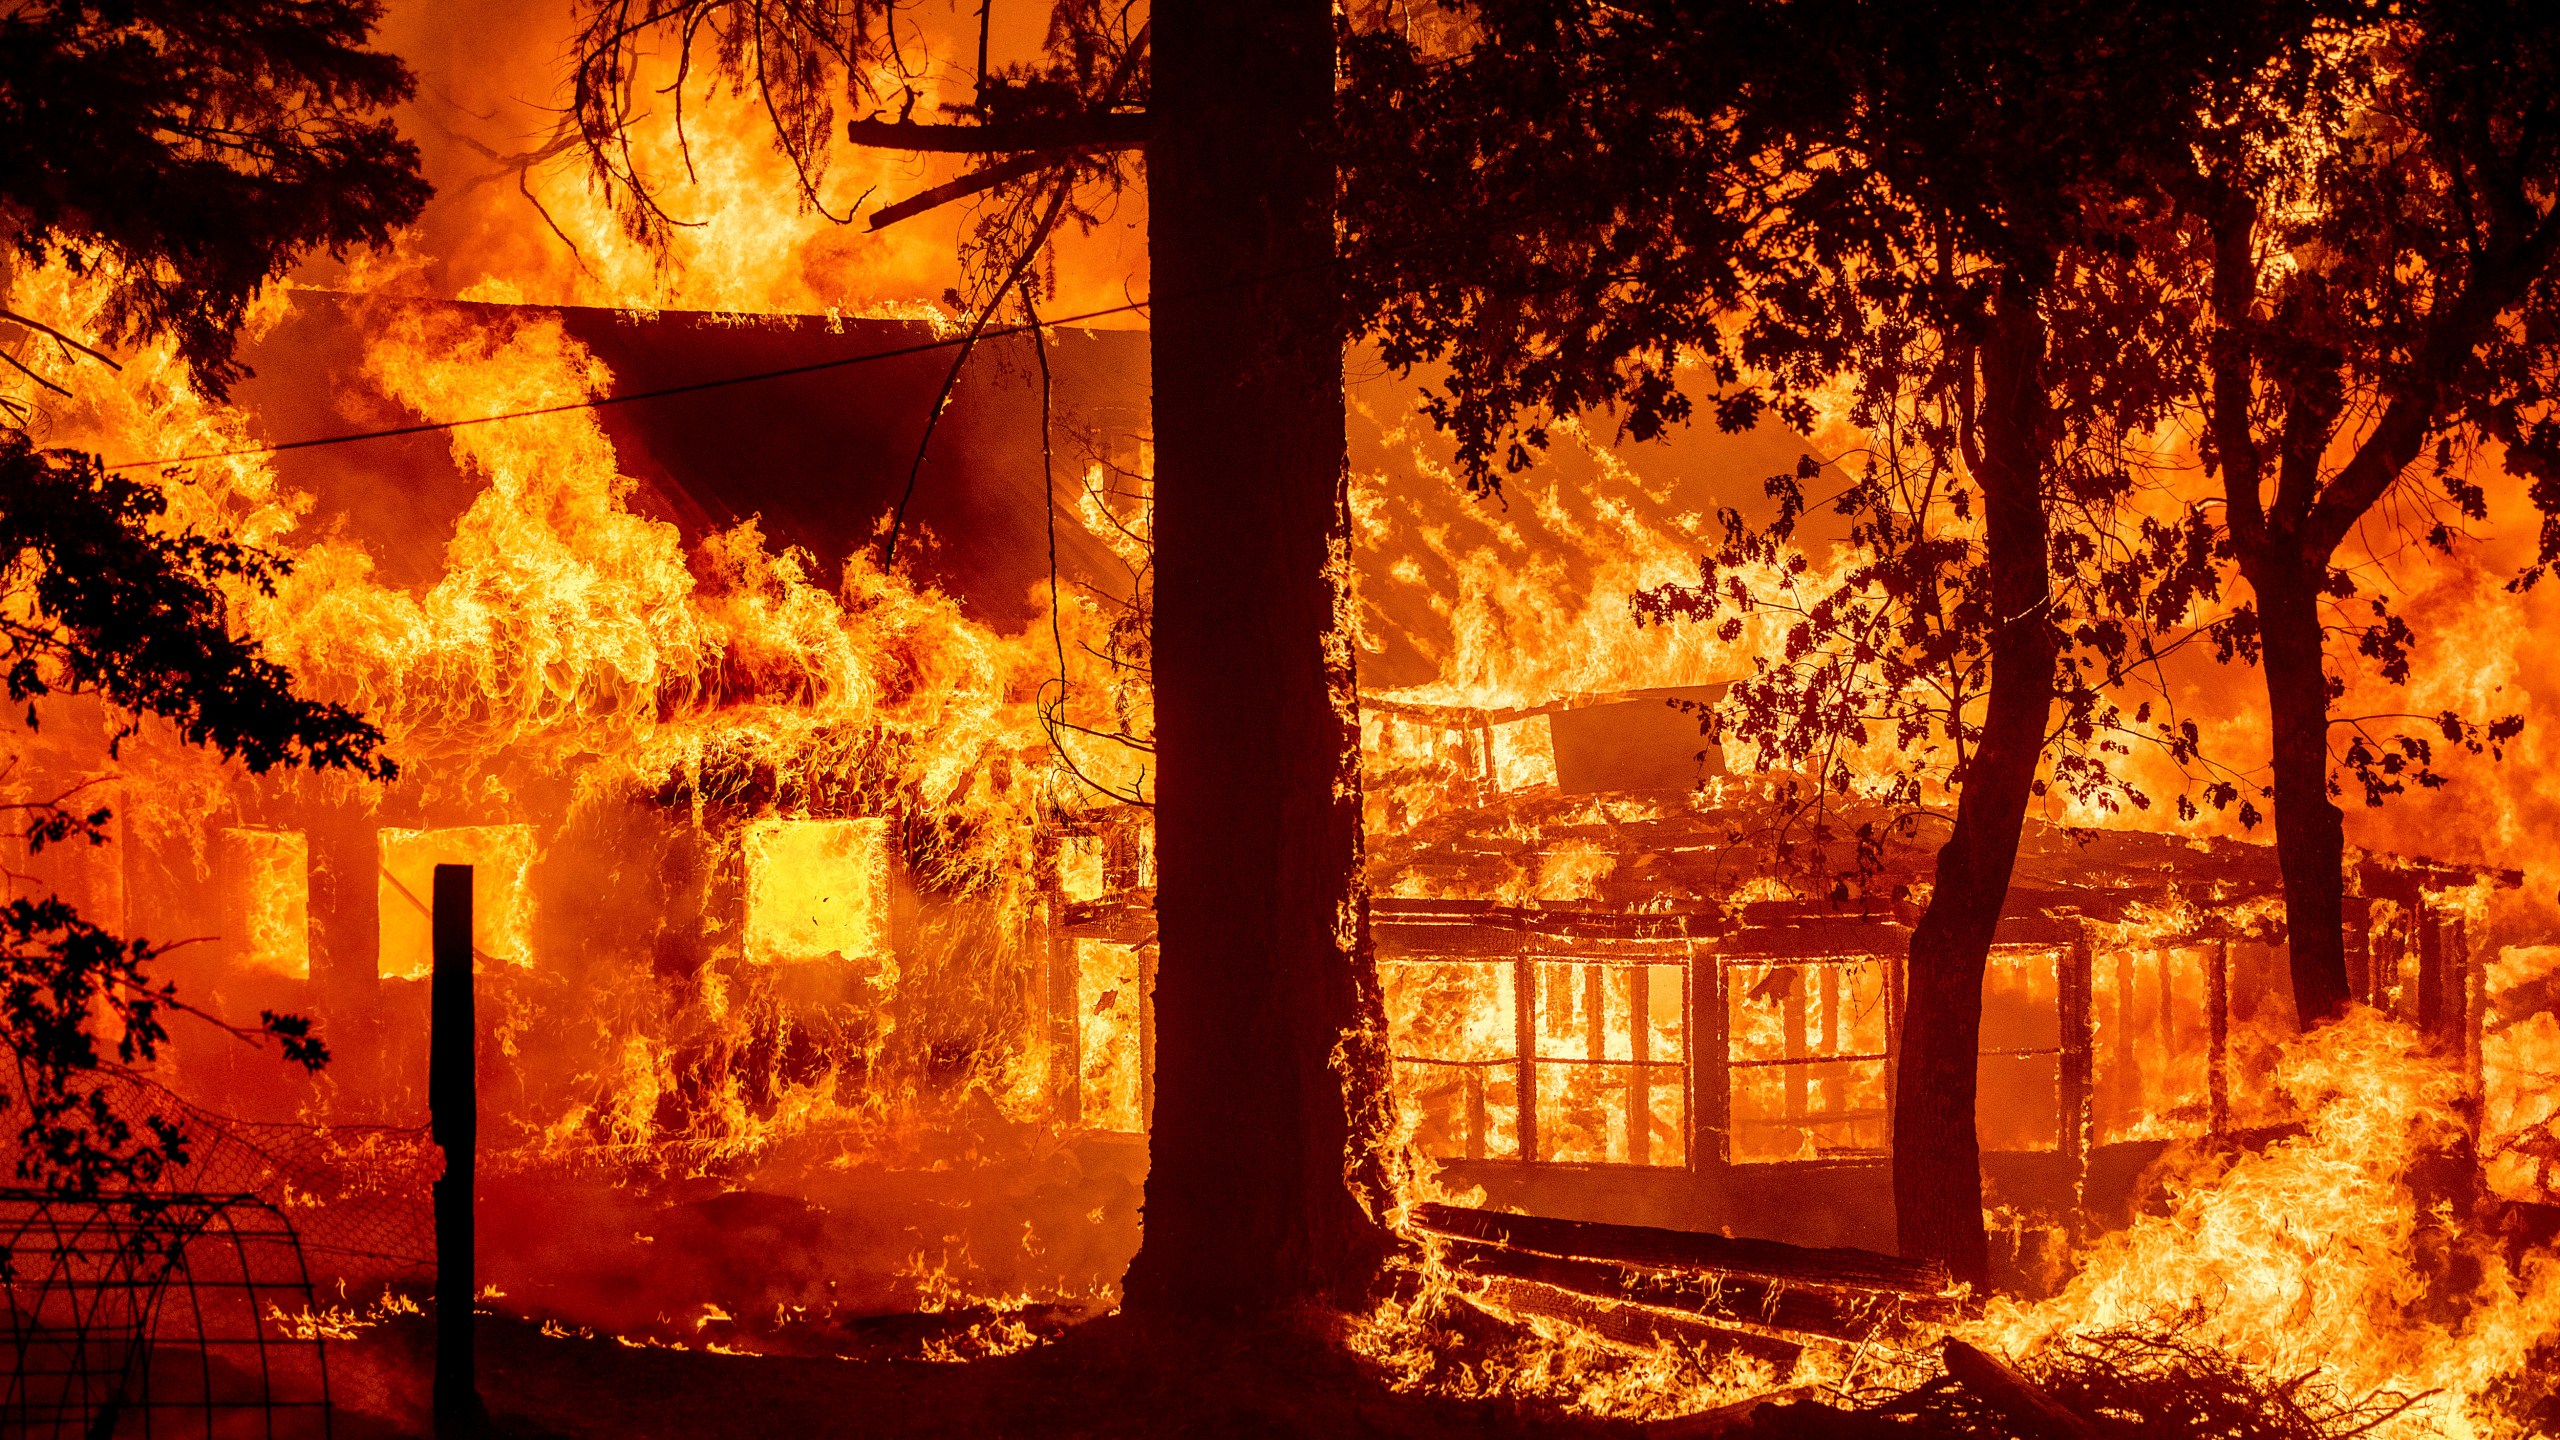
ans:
(1106, 130)
(967, 185)
(2402, 432)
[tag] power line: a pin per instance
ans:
(428, 427)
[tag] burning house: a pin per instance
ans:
(768, 878)
(787, 688)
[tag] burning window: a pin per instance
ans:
(1608, 1059)
(2151, 1042)
(501, 909)
(1082, 867)
(1612, 1064)
(1524, 754)
(2018, 1077)
(1807, 1046)
(1111, 1035)
(266, 900)
(1108, 861)
(1455, 1031)
(819, 890)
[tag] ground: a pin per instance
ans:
(1112, 1377)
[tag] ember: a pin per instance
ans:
(1521, 719)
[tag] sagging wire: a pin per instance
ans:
(1056, 694)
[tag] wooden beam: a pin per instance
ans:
(1687, 1250)
(2217, 1003)
(2034, 1414)
(1107, 130)
(1801, 1310)
(1524, 1032)
(1640, 1075)
(1638, 1327)
(986, 178)
(2078, 1116)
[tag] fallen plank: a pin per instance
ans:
(1723, 1420)
(2020, 1401)
(1828, 1312)
(1638, 1327)
(1687, 1250)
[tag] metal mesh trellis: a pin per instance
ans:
(157, 1315)
(359, 1196)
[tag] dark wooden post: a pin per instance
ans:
(2079, 1112)
(1710, 1050)
(453, 1109)
(2217, 1003)
(1524, 1030)
(1066, 1037)
(1896, 975)
(1639, 1074)
(1146, 1039)
(1793, 1012)
(2475, 999)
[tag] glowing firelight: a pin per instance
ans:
(499, 857)
(819, 890)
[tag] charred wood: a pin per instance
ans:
(1827, 1312)
(1638, 1327)
(1639, 1245)
(1997, 1383)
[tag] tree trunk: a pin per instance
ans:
(2311, 842)
(1269, 1033)
(1937, 1156)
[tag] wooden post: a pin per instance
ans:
(2439, 985)
(2475, 1001)
(1524, 1030)
(1146, 1039)
(2358, 942)
(453, 1109)
(2124, 1089)
(1834, 1098)
(2079, 1115)
(1793, 1013)
(1475, 1112)
(2217, 1002)
(1705, 1032)
(1896, 978)
(1066, 1034)
(1639, 1078)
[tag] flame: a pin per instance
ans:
(268, 873)
(2302, 1254)
(517, 218)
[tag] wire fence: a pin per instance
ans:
(160, 1315)
(191, 1308)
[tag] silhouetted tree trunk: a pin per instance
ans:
(2311, 836)
(1937, 1153)
(2418, 271)
(1266, 1007)
(2285, 574)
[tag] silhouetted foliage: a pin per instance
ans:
(187, 154)
(97, 598)
(2372, 268)
(1924, 215)
(193, 150)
